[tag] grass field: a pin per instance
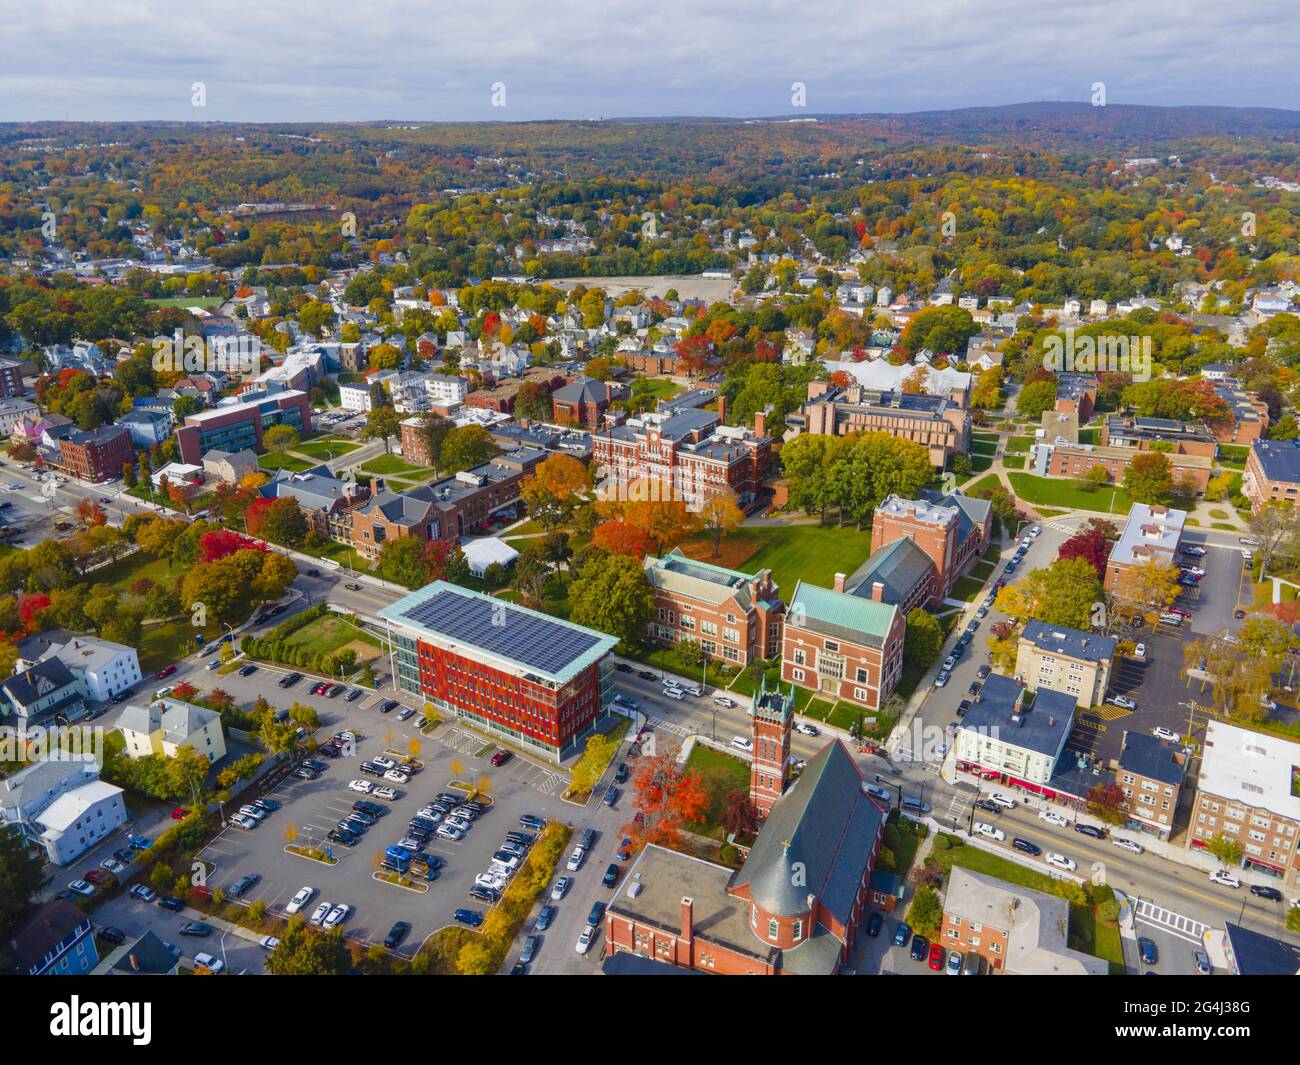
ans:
(967, 588)
(385, 464)
(1019, 444)
(206, 302)
(291, 463)
(721, 774)
(1013, 462)
(979, 462)
(332, 632)
(328, 448)
(984, 482)
(1072, 495)
(813, 553)
(1089, 436)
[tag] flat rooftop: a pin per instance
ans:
(1251, 768)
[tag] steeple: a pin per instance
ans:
(771, 720)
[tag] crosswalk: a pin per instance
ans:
(661, 725)
(1060, 526)
(1184, 927)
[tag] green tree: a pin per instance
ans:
(923, 640)
(402, 562)
(278, 439)
(1065, 593)
(611, 594)
(22, 874)
(467, 447)
(1149, 477)
(382, 423)
(303, 952)
(925, 915)
(1036, 398)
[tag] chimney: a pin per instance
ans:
(877, 592)
(839, 582)
(722, 410)
(688, 919)
(135, 963)
(760, 423)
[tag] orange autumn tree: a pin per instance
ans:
(666, 521)
(667, 797)
(622, 538)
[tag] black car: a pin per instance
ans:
(1026, 846)
(320, 767)
(389, 705)
(269, 805)
(109, 934)
(1270, 893)
(196, 928)
(645, 674)
(262, 619)
(313, 573)
(524, 839)
(370, 807)
(874, 923)
(240, 886)
(396, 934)
(289, 680)
(171, 902)
(353, 695)
(621, 774)
(329, 751)
(920, 948)
(364, 816)
(351, 824)
(963, 707)
(611, 875)
(276, 611)
(596, 915)
(340, 835)
(371, 769)
(991, 807)
(983, 671)
(1090, 830)
(532, 944)
(248, 670)
(623, 667)
(975, 687)
(532, 821)
(1147, 951)
(483, 894)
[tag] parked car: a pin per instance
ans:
(81, 887)
(1147, 951)
(561, 888)
(982, 828)
(144, 894)
(1129, 845)
(172, 903)
(611, 875)
(1263, 892)
(1052, 818)
(1201, 961)
(1026, 846)
(874, 923)
(195, 928)
(1224, 878)
(109, 934)
(936, 957)
(468, 917)
(240, 887)
(299, 900)
(337, 916)
(920, 948)
(1090, 830)
(584, 940)
(1060, 861)
(953, 967)
(1162, 733)
(1122, 701)
(210, 962)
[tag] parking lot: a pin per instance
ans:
(310, 809)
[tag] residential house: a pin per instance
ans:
(42, 693)
(166, 725)
(1066, 660)
(56, 941)
(102, 668)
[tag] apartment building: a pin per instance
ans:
(57, 941)
(1247, 418)
(98, 455)
(1272, 473)
(1152, 532)
(166, 725)
(683, 453)
(1076, 393)
(1247, 793)
(1065, 660)
(1015, 734)
(842, 645)
(71, 828)
(1017, 930)
(938, 424)
(1144, 434)
(1151, 774)
(11, 378)
(533, 679)
(734, 617)
(1078, 460)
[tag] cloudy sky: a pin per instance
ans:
(268, 60)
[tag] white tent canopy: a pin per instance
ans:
(481, 553)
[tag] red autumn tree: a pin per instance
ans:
(440, 556)
(623, 538)
(218, 543)
(184, 690)
(90, 513)
(30, 607)
(667, 797)
(1090, 545)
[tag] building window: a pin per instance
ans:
(772, 930)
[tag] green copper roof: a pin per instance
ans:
(822, 608)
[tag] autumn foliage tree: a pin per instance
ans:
(218, 543)
(1090, 545)
(623, 538)
(668, 797)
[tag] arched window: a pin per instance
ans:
(771, 929)
(798, 931)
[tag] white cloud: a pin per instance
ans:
(400, 59)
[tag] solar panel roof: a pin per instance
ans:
(530, 639)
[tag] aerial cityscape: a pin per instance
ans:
(449, 529)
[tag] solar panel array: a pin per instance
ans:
(497, 627)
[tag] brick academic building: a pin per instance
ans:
(535, 680)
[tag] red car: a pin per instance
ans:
(165, 672)
(180, 813)
(96, 876)
(500, 758)
(936, 957)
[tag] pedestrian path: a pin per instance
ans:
(1175, 923)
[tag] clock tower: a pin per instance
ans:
(771, 722)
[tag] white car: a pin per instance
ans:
(488, 880)
(383, 761)
(575, 860)
(269, 942)
(806, 729)
(82, 888)
(674, 693)
(363, 786)
(397, 776)
(113, 866)
(255, 812)
(1053, 819)
(320, 913)
(561, 888)
(1060, 861)
(1162, 733)
(584, 940)
(742, 743)
(1195, 571)
(1001, 800)
(243, 821)
(385, 793)
(1127, 845)
(985, 829)
(1225, 878)
(210, 962)
(1035, 530)
(724, 701)
(1123, 702)
(1140, 651)
(941, 679)
(1195, 552)
(458, 823)
(337, 916)
(447, 832)
(692, 689)
(299, 900)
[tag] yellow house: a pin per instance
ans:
(165, 726)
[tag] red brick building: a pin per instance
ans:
(794, 907)
(952, 530)
(97, 455)
(11, 378)
(583, 402)
(535, 680)
(241, 425)
(735, 617)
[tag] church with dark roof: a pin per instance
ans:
(796, 904)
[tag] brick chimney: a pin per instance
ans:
(688, 920)
(839, 582)
(878, 592)
(722, 410)
(760, 423)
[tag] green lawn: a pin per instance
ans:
(270, 463)
(326, 449)
(980, 462)
(721, 775)
(206, 302)
(1019, 444)
(967, 588)
(743, 687)
(1013, 462)
(818, 709)
(330, 632)
(814, 553)
(385, 464)
(1089, 436)
(1073, 495)
(984, 482)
